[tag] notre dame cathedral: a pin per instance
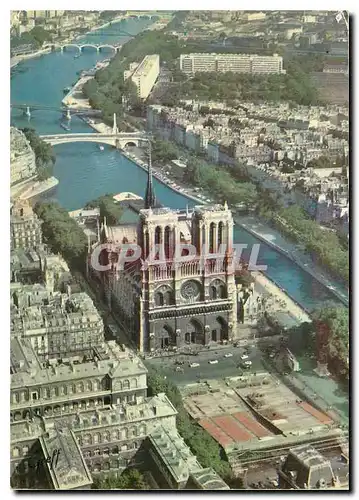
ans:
(160, 304)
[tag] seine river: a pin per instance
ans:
(85, 172)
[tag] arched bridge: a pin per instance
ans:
(80, 48)
(119, 140)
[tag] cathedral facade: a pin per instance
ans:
(163, 301)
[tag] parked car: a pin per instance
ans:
(193, 365)
(213, 361)
(244, 356)
(228, 355)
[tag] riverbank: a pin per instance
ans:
(77, 102)
(33, 188)
(14, 61)
(291, 306)
(274, 239)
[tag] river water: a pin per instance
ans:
(85, 172)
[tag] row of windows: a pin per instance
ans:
(88, 386)
(105, 437)
(18, 452)
(116, 435)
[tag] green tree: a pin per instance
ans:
(108, 208)
(206, 449)
(332, 333)
(62, 234)
(44, 154)
(130, 479)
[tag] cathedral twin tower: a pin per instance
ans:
(164, 306)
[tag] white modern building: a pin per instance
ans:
(146, 74)
(236, 63)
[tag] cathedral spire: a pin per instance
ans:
(150, 198)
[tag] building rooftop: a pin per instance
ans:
(145, 65)
(309, 469)
(109, 359)
(200, 209)
(90, 418)
(174, 452)
(276, 414)
(68, 470)
(37, 307)
(208, 479)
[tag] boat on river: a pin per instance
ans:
(65, 127)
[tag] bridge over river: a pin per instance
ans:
(68, 110)
(118, 139)
(81, 47)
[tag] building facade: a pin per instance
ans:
(146, 75)
(57, 324)
(25, 227)
(236, 63)
(167, 303)
(101, 402)
(74, 419)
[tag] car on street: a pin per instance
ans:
(228, 355)
(244, 356)
(246, 364)
(193, 365)
(213, 361)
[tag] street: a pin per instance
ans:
(226, 367)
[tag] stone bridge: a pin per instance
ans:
(97, 47)
(119, 140)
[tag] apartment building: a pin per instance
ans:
(73, 419)
(57, 324)
(96, 408)
(25, 227)
(146, 75)
(236, 63)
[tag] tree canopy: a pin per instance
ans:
(35, 37)
(219, 182)
(62, 234)
(108, 208)
(324, 246)
(332, 338)
(45, 156)
(130, 479)
(206, 449)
